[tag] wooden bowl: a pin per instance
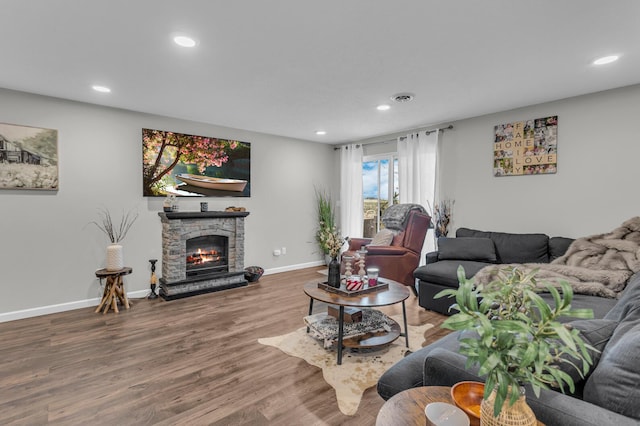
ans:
(468, 396)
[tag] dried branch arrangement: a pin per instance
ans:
(116, 233)
(442, 215)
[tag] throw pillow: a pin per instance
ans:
(461, 248)
(382, 238)
(614, 383)
(595, 332)
(514, 248)
(558, 246)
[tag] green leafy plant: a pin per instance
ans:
(517, 338)
(327, 234)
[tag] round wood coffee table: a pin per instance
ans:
(407, 407)
(394, 293)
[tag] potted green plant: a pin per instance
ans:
(328, 237)
(326, 221)
(516, 337)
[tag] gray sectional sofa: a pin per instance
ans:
(474, 250)
(608, 395)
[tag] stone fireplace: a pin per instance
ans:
(201, 252)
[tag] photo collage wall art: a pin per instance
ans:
(527, 147)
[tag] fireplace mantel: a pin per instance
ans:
(201, 215)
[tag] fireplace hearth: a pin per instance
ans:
(202, 252)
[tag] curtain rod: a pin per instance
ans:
(427, 132)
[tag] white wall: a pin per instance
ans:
(49, 253)
(594, 190)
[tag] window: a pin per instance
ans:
(380, 189)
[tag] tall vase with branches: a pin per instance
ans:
(116, 232)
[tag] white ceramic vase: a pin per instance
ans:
(115, 258)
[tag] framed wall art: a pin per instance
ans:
(28, 157)
(194, 166)
(527, 147)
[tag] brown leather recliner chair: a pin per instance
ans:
(398, 260)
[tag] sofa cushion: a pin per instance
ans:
(614, 382)
(382, 238)
(558, 247)
(478, 249)
(514, 248)
(473, 233)
(627, 299)
(594, 332)
(599, 305)
(445, 272)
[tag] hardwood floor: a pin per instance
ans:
(186, 362)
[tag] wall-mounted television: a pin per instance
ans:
(194, 166)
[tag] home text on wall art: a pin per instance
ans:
(28, 157)
(526, 147)
(196, 166)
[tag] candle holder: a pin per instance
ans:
(362, 254)
(372, 274)
(348, 266)
(153, 280)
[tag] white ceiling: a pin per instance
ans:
(291, 67)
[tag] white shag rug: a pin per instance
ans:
(359, 370)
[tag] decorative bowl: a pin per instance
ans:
(443, 414)
(253, 273)
(468, 396)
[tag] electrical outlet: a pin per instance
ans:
(276, 252)
(283, 250)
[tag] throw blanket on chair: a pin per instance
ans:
(395, 216)
(599, 265)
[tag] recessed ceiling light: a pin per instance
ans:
(383, 107)
(184, 41)
(606, 60)
(320, 132)
(101, 89)
(402, 97)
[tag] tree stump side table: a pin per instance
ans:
(113, 289)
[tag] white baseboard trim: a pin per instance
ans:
(293, 267)
(62, 307)
(69, 306)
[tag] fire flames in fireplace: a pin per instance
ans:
(203, 256)
(207, 255)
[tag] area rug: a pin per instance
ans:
(359, 371)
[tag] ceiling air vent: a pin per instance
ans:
(402, 97)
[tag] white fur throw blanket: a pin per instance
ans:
(599, 265)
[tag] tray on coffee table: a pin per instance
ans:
(344, 292)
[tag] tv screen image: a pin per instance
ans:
(194, 166)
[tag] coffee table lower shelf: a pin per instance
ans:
(374, 339)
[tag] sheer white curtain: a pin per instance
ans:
(417, 162)
(351, 215)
